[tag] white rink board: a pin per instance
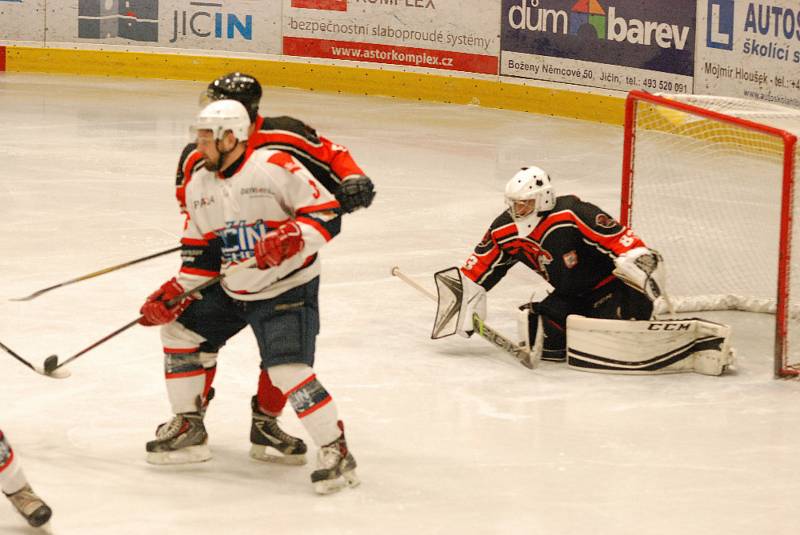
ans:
(22, 21)
(725, 62)
(445, 34)
(453, 25)
(232, 26)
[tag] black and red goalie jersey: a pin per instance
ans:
(573, 246)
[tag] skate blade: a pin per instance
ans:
(266, 455)
(192, 454)
(348, 479)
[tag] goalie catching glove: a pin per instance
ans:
(643, 269)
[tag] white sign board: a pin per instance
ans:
(749, 49)
(229, 26)
(456, 35)
(22, 20)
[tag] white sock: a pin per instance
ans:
(312, 403)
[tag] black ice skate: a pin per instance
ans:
(31, 506)
(181, 440)
(270, 443)
(335, 467)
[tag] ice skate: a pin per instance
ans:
(335, 468)
(181, 440)
(270, 443)
(31, 506)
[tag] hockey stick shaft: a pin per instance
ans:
(172, 302)
(97, 273)
(13, 354)
(486, 332)
(403, 277)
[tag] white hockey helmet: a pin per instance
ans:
(221, 116)
(529, 191)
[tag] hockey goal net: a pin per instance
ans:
(709, 182)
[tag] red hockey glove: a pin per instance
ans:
(278, 245)
(155, 311)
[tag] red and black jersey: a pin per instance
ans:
(572, 246)
(328, 162)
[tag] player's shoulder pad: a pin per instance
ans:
(268, 157)
(187, 150)
(502, 227)
(290, 124)
(502, 220)
(590, 214)
(180, 173)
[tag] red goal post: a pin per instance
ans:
(709, 182)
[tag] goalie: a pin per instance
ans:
(600, 273)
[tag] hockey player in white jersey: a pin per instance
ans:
(17, 489)
(333, 166)
(246, 204)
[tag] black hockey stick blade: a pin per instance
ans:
(52, 369)
(521, 353)
(51, 363)
(36, 294)
(60, 374)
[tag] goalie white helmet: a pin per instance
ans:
(529, 191)
(221, 116)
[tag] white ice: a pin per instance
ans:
(451, 436)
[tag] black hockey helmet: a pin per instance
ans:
(236, 86)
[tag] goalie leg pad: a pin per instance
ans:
(648, 347)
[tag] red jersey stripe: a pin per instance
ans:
(314, 223)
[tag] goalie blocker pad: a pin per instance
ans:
(648, 347)
(450, 292)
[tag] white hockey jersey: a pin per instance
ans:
(227, 215)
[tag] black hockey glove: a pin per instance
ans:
(355, 193)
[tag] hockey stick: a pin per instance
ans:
(522, 354)
(51, 363)
(37, 293)
(59, 375)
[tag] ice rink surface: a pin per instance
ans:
(451, 436)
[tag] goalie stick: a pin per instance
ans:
(51, 363)
(103, 271)
(522, 354)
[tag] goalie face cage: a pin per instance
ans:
(709, 182)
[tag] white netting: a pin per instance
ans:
(707, 194)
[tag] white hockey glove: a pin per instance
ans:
(473, 301)
(643, 269)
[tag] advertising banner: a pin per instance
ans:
(750, 49)
(22, 20)
(612, 44)
(456, 35)
(229, 26)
